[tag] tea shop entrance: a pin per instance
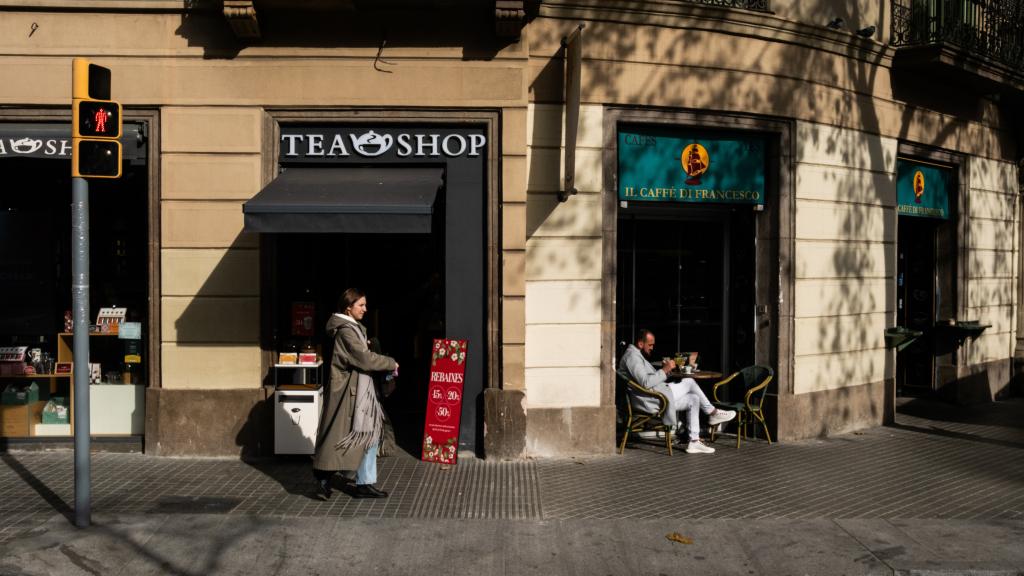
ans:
(400, 212)
(403, 278)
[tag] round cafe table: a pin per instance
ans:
(700, 376)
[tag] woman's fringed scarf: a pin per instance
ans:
(368, 421)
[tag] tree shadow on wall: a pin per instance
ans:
(845, 265)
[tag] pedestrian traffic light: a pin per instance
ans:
(95, 123)
(96, 119)
(96, 158)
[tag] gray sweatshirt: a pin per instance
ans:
(637, 368)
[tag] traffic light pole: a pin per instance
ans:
(80, 346)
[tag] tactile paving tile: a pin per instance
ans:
(479, 489)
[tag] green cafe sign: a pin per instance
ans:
(923, 189)
(658, 165)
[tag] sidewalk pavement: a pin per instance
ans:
(939, 492)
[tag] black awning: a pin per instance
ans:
(362, 200)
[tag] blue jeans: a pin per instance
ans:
(367, 471)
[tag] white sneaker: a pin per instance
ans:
(721, 416)
(698, 447)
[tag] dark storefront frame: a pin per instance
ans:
(149, 119)
(488, 122)
(959, 207)
(774, 240)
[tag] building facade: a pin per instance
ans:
(774, 183)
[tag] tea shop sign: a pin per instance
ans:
(671, 165)
(369, 143)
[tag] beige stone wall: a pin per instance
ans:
(563, 263)
(209, 165)
(514, 162)
(845, 235)
(784, 65)
(992, 260)
(856, 14)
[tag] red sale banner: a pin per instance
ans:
(444, 401)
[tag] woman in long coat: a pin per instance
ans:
(352, 420)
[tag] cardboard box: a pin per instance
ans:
(17, 421)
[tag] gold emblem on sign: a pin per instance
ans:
(918, 186)
(695, 162)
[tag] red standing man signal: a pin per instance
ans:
(100, 118)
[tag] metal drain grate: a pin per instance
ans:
(476, 489)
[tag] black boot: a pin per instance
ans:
(323, 484)
(368, 491)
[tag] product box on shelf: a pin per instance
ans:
(13, 353)
(287, 358)
(12, 368)
(307, 357)
(19, 393)
(56, 411)
(109, 320)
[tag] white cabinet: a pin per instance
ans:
(296, 415)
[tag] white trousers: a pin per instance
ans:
(687, 395)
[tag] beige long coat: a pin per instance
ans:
(349, 358)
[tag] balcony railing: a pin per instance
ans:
(993, 29)
(757, 5)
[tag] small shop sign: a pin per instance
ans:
(923, 189)
(307, 143)
(28, 146)
(659, 165)
(444, 401)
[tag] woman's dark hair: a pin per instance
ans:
(349, 298)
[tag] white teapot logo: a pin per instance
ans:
(26, 145)
(372, 144)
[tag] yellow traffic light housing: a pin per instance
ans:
(96, 123)
(95, 158)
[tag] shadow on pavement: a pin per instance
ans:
(39, 486)
(932, 416)
(293, 472)
(1006, 413)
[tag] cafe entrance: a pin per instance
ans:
(926, 297)
(690, 204)
(688, 275)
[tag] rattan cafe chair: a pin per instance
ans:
(637, 418)
(752, 382)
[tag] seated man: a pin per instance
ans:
(683, 395)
